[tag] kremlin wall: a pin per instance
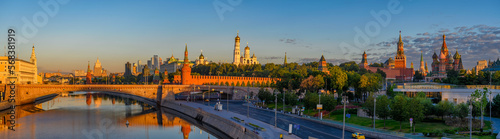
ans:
(187, 79)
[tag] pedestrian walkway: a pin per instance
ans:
(270, 133)
(495, 124)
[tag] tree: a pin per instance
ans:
(418, 76)
(399, 110)
(339, 78)
(495, 107)
(353, 81)
(349, 66)
(291, 98)
(310, 100)
(368, 105)
(383, 105)
(444, 108)
(415, 110)
(481, 101)
(382, 73)
(265, 96)
(461, 111)
(312, 83)
(329, 102)
(430, 109)
(370, 82)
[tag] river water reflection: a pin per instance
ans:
(96, 115)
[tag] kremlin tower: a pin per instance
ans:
(89, 74)
(364, 61)
(400, 59)
(186, 68)
(322, 65)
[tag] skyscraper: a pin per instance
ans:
(156, 63)
(97, 68)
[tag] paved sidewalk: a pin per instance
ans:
(495, 125)
(270, 133)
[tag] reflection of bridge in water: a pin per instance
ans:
(453, 93)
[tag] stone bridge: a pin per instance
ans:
(28, 93)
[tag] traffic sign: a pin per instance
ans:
(319, 106)
(348, 115)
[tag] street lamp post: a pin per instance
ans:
(344, 100)
(374, 109)
(490, 100)
(284, 101)
(227, 100)
(275, 109)
(319, 102)
(470, 117)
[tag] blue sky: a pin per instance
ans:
(118, 31)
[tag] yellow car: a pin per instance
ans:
(358, 135)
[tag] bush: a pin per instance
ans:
(433, 133)
(449, 131)
(352, 111)
(481, 133)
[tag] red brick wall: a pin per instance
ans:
(202, 79)
(394, 73)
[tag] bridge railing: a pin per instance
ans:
(435, 86)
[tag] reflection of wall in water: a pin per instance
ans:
(165, 120)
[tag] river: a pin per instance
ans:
(94, 115)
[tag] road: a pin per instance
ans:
(307, 128)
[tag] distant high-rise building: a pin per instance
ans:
(149, 64)
(97, 68)
(156, 63)
(128, 69)
(134, 69)
(139, 66)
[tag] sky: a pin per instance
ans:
(69, 33)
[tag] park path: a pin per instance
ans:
(495, 124)
(270, 133)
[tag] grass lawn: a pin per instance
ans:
(475, 137)
(394, 125)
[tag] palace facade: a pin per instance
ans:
(26, 72)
